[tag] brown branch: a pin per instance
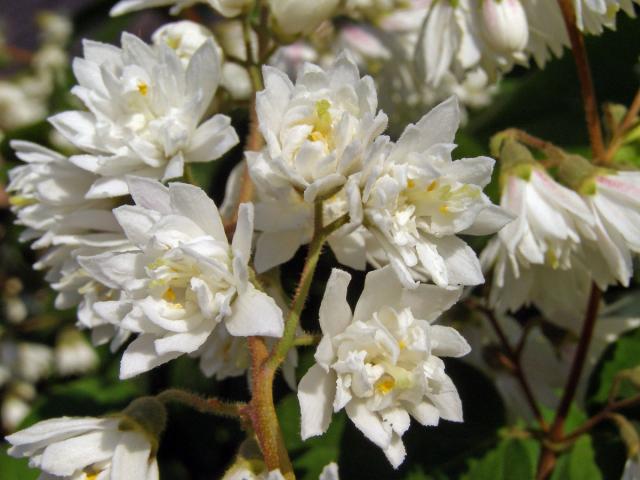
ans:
(618, 135)
(514, 363)
(548, 457)
(586, 82)
(600, 416)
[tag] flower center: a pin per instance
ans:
(439, 197)
(143, 88)
(322, 123)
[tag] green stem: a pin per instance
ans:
(321, 235)
(204, 405)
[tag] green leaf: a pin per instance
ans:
(579, 463)
(312, 456)
(625, 356)
(15, 468)
(511, 459)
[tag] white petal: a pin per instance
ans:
(381, 289)
(136, 223)
(489, 220)
(369, 423)
(315, 394)
(426, 413)
(194, 204)
(395, 452)
(447, 342)
(335, 312)
(140, 356)
(241, 245)
(131, 457)
(150, 194)
(65, 457)
(255, 314)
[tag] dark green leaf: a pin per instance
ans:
(578, 464)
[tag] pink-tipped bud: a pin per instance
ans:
(505, 25)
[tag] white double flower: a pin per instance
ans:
(146, 112)
(382, 363)
(182, 278)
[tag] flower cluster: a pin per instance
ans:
(562, 239)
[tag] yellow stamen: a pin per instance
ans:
(432, 186)
(444, 209)
(21, 201)
(169, 295)
(411, 183)
(143, 88)
(551, 259)
(385, 384)
(92, 476)
(322, 125)
(317, 137)
(402, 344)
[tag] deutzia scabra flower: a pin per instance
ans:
(614, 200)
(416, 199)
(145, 113)
(534, 258)
(382, 363)
(295, 17)
(228, 8)
(183, 278)
(316, 130)
(88, 448)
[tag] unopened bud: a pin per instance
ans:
(294, 17)
(146, 415)
(505, 25)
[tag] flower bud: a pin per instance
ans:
(505, 25)
(184, 37)
(73, 354)
(294, 17)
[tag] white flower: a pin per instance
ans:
(73, 354)
(381, 363)
(182, 278)
(184, 38)
(505, 25)
(631, 469)
(614, 200)
(534, 257)
(593, 16)
(416, 200)
(86, 448)
(145, 113)
(295, 17)
(25, 360)
(228, 8)
(316, 130)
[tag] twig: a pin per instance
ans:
(618, 134)
(201, 404)
(514, 359)
(547, 456)
(600, 416)
(586, 82)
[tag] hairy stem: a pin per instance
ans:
(618, 136)
(263, 412)
(204, 405)
(548, 457)
(586, 82)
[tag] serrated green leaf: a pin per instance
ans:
(579, 463)
(625, 356)
(511, 459)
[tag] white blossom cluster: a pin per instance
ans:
(562, 240)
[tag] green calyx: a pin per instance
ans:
(146, 415)
(516, 160)
(579, 174)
